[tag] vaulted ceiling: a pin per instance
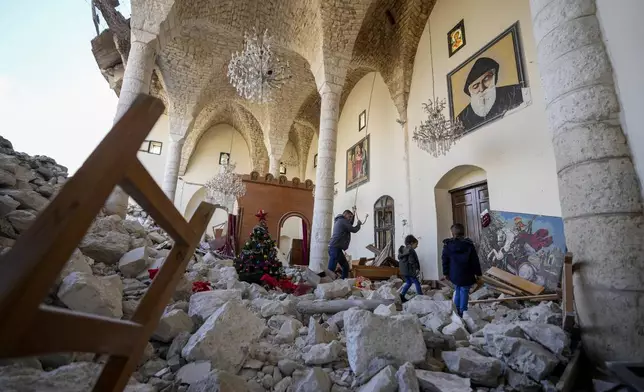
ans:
(198, 37)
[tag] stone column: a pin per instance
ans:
(598, 186)
(136, 80)
(407, 175)
(274, 164)
(171, 174)
(276, 147)
(325, 176)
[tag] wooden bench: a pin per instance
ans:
(29, 269)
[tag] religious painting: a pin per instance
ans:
(315, 161)
(362, 120)
(490, 83)
(456, 38)
(358, 163)
(530, 246)
(282, 169)
(224, 158)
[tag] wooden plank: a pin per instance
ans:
(544, 297)
(139, 184)
(516, 281)
(28, 270)
(56, 330)
(117, 370)
(493, 282)
(568, 295)
(567, 381)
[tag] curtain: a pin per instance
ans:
(305, 243)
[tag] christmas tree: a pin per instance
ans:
(258, 255)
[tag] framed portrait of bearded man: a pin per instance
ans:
(490, 83)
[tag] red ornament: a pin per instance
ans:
(261, 215)
(198, 287)
(153, 272)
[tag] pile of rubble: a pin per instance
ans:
(240, 337)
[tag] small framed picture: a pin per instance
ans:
(456, 38)
(282, 169)
(315, 161)
(362, 120)
(224, 158)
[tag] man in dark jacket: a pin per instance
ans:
(340, 240)
(460, 265)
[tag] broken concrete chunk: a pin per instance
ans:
(386, 310)
(318, 334)
(549, 336)
(314, 380)
(336, 289)
(384, 381)
(220, 340)
(21, 220)
(76, 263)
(421, 305)
(522, 355)
(172, 324)
(105, 247)
(369, 336)
(86, 293)
(205, 303)
(406, 377)
(219, 381)
(468, 363)
(441, 382)
(321, 354)
(134, 262)
(28, 199)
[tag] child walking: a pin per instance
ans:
(409, 266)
(460, 265)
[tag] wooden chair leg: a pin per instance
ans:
(117, 370)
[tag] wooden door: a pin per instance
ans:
(467, 205)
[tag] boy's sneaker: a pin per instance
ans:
(402, 298)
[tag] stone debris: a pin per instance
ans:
(242, 337)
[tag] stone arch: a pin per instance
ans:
(388, 41)
(220, 216)
(459, 177)
(238, 117)
(283, 221)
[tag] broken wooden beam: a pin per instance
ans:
(338, 305)
(568, 298)
(543, 297)
(516, 281)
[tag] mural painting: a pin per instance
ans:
(490, 83)
(358, 163)
(530, 246)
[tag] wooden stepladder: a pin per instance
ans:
(29, 270)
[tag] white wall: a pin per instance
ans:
(514, 152)
(386, 158)
(623, 31)
(204, 164)
(155, 164)
(291, 229)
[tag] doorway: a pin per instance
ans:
(467, 205)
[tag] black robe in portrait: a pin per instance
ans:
(507, 98)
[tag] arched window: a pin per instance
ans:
(384, 223)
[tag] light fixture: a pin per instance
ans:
(225, 187)
(256, 72)
(437, 134)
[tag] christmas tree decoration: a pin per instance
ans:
(258, 257)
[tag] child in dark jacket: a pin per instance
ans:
(409, 266)
(460, 265)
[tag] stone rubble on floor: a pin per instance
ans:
(241, 337)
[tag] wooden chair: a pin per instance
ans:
(28, 271)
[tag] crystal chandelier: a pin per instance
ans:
(226, 187)
(256, 71)
(437, 134)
